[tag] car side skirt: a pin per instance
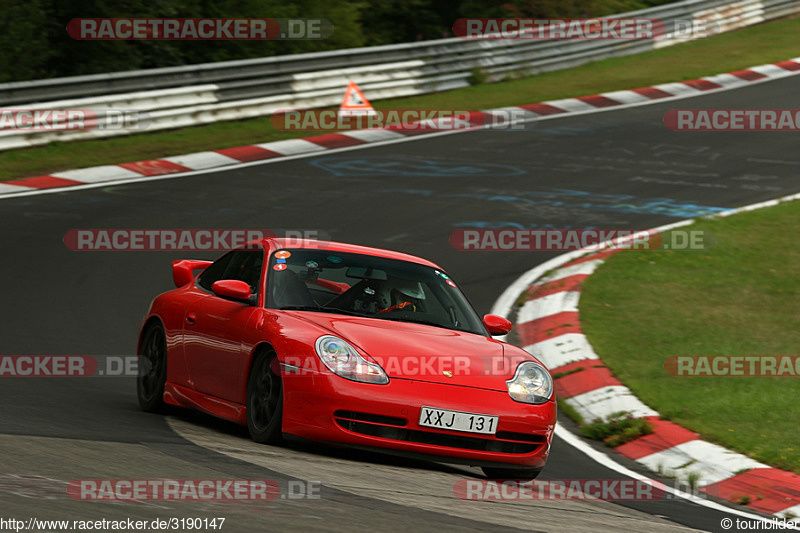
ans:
(191, 399)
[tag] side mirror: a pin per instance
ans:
(496, 325)
(231, 288)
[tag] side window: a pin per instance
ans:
(214, 272)
(244, 265)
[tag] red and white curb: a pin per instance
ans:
(177, 165)
(548, 326)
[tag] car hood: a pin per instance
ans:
(424, 353)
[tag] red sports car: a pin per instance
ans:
(348, 345)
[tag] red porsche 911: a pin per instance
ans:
(347, 345)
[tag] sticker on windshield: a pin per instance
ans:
(450, 282)
(283, 254)
(312, 264)
(280, 266)
(334, 259)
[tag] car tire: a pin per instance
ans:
(152, 369)
(265, 399)
(511, 473)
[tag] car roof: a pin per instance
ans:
(278, 242)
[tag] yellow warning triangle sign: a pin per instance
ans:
(355, 103)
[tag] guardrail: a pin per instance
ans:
(232, 90)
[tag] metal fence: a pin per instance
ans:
(200, 94)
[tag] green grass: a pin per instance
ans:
(618, 429)
(741, 297)
(765, 43)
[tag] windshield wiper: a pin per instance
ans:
(321, 309)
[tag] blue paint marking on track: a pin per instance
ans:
(623, 203)
(356, 166)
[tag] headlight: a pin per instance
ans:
(343, 360)
(531, 384)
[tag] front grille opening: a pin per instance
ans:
(507, 442)
(367, 417)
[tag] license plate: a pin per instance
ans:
(458, 421)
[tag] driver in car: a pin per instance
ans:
(403, 295)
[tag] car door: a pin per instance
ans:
(214, 327)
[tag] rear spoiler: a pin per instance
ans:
(183, 270)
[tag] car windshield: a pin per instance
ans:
(363, 285)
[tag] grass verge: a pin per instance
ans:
(741, 297)
(619, 428)
(765, 43)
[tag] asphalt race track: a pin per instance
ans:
(616, 169)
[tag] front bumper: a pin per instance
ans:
(328, 408)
